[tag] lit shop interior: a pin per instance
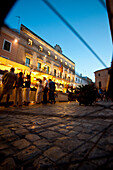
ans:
(61, 84)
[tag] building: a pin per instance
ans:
(86, 80)
(101, 78)
(27, 52)
(79, 80)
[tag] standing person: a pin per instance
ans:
(101, 93)
(18, 90)
(51, 91)
(27, 90)
(39, 92)
(8, 79)
(45, 86)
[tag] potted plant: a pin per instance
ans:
(86, 94)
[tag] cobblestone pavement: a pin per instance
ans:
(61, 136)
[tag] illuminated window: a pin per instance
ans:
(40, 48)
(66, 63)
(27, 63)
(73, 68)
(55, 57)
(49, 53)
(70, 66)
(30, 42)
(61, 60)
(7, 45)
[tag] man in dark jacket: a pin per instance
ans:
(8, 79)
(51, 91)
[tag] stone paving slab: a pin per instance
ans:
(60, 136)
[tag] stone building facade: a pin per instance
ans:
(29, 53)
(101, 78)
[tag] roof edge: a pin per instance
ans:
(44, 41)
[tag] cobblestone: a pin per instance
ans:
(21, 144)
(60, 136)
(8, 164)
(32, 137)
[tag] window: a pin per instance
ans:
(76, 79)
(60, 74)
(65, 76)
(47, 69)
(30, 42)
(66, 63)
(49, 53)
(39, 66)
(40, 48)
(55, 57)
(54, 72)
(61, 60)
(27, 63)
(7, 45)
(99, 74)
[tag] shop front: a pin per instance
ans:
(60, 84)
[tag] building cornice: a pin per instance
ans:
(44, 43)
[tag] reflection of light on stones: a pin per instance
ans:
(33, 127)
(32, 103)
(68, 102)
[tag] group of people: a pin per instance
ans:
(10, 80)
(45, 86)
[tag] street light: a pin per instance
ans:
(15, 40)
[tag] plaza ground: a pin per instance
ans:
(57, 136)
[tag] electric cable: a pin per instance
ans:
(103, 3)
(74, 31)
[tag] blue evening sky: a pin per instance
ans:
(88, 17)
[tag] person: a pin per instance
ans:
(39, 92)
(18, 90)
(45, 87)
(101, 93)
(27, 90)
(8, 79)
(51, 91)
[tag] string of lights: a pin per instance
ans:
(74, 31)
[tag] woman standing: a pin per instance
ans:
(39, 92)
